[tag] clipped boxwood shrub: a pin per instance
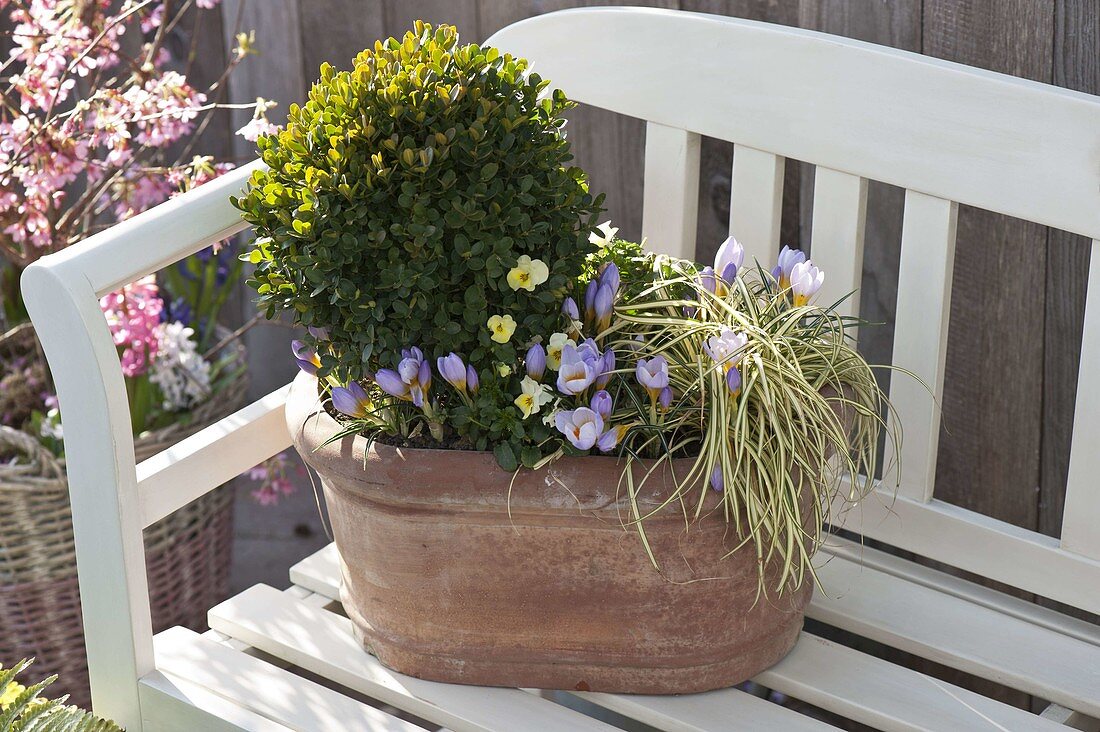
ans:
(400, 196)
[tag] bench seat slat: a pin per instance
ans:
(266, 689)
(173, 704)
(955, 632)
(321, 642)
(886, 696)
(712, 710)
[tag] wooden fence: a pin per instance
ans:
(1018, 294)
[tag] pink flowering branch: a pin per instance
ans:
(75, 160)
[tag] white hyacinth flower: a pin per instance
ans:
(179, 371)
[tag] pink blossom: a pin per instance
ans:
(273, 476)
(133, 314)
(256, 127)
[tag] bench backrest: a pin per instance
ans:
(946, 133)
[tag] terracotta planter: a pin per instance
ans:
(442, 583)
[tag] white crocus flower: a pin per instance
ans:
(806, 280)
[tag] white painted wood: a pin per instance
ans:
(1070, 718)
(1081, 515)
(976, 543)
(172, 704)
(110, 555)
(319, 572)
(957, 633)
(291, 700)
(670, 207)
(61, 292)
(322, 642)
(836, 236)
(756, 204)
(949, 584)
(714, 710)
(888, 697)
(981, 138)
(920, 340)
(192, 467)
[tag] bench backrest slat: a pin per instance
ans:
(670, 207)
(836, 235)
(1081, 515)
(756, 203)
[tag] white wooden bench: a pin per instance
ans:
(945, 133)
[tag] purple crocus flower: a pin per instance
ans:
(351, 400)
(602, 404)
(581, 426)
(472, 382)
(728, 259)
(652, 374)
(664, 399)
(452, 370)
(307, 358)
(607, 367)
(602, 307)
(423, 380)
(580, 366)
(733, 381)
(788, 258)
(416, 374)
(576, 372)
(569, 309)
(391, 382)
(535, 361)
(717, 478)
(590, 300)
(320, 334)
(609, 277)
(708, 280)
(610, 438)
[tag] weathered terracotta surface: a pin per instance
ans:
(441, 583)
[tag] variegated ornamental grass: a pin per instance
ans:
(805, 413)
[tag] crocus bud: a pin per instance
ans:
(452, 370)
(391, 382)
(424, 378)
(729, 258)
(610, 277)
(601, 404)
(590, 300)
(472, 382)
(733, 380)
(707, 279)
(607, 366)
(306, 357)
(535, 361)
(569, 309)
(717, 478)
(605, 300)
(664, 399)
(351, 400)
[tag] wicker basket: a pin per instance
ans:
(186, 554)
